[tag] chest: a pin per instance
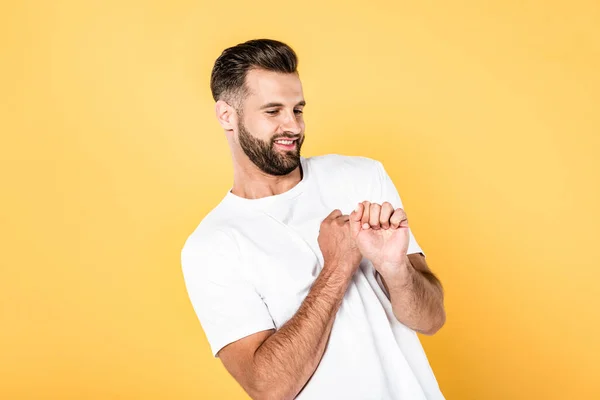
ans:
(280, 247)
(282, 256)
(283, 260)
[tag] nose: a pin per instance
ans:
(292, 124)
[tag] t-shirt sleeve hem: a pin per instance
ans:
(234, 335)
(415, 249)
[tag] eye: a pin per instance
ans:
(298, 111)
(272, 112)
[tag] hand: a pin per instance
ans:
(381, 234)
(337, 243)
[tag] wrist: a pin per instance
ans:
(341, 266)
(396, 270)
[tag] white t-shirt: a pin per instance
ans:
(251, 262)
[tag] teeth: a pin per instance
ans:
(284, 141)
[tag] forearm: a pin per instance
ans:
(416, 297)
(289, 357)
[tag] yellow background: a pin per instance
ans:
(485, 114)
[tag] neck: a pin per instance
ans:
(250, 182)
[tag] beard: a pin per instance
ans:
(264, 154)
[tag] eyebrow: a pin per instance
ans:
(271, 105)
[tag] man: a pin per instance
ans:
(306, 277)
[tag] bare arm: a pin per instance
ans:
(383, 236)
(278, 365)
(289, 357)
(416, 295)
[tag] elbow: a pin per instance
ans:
(267, 394)
(254, 392)
(258, 390)
(259, 396)
(270, 393)
(262, 389)
(261, 393)
(435, 324)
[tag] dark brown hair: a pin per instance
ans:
(227, 80)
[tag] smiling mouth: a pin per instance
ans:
(288, 144)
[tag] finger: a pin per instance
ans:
(398, 218)
(356, 215)
(404, 222)
(334, 214)
(364, 222)
(374, 216)
(386, 213)
(355, 219)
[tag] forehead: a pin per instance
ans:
(268, 86)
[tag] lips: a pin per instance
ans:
(287, 144)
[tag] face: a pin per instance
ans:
(271, 124)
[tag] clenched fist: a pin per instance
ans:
(381, 234)
(337, 242)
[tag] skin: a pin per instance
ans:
(278, 364)
(264, 123)
(415, 292)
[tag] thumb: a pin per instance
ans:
(334, 214)
(355, 219)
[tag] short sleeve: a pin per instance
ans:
(226, 303)
(390, 194)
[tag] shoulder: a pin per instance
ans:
(210, 237)
(338, 163)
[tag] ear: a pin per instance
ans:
(226, 115)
